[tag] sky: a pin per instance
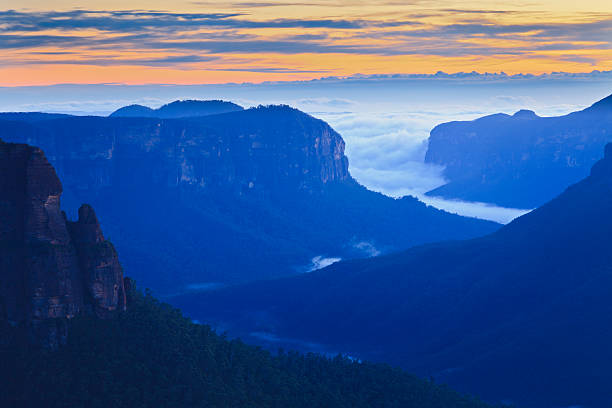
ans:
(375, 70)
(199, 41)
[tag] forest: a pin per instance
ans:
(152, 355)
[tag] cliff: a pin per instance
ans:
(492, 316)
(519, 160)
(227, 198)
(51, 269)
(257, 150)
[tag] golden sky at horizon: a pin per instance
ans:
(201, 41)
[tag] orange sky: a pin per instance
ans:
(60, 41)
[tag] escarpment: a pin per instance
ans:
(51, 269)
(256, 151)
(271, 184)
(521, 160)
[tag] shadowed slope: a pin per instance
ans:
(228, 198)
(522, 314)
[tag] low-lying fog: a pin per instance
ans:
(384, 121)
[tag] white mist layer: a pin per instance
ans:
(385, 122)
(319, 262)
(483, 211)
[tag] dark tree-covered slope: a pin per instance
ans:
(523, 314)
(521, 160)
(194, 203)
(74, 333)
(151, 356)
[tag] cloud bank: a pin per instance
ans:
(384, 119)
(241, 38)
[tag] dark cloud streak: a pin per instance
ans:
(227, 33)
(134, 21)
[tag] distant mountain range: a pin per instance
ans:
(521, 315)
(177, 109)
(199, 202)
(522, 160)
(486, 76)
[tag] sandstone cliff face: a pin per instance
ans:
(226, 198)
(50, 269)
(99, 265)
(257, 150)
(522, 160)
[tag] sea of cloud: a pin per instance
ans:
(384, 121)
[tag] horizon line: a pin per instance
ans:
(440, 75)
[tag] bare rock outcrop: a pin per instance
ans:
(98, 263)
(51, 269)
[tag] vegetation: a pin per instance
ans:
(153, 356)
(521, 315)
(171, 233)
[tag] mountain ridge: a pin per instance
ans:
(271, 183)
(605, 103)
(518, 315)
(519, 161)
(68, 337)
(178, 109)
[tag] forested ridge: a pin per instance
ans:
(153, 356)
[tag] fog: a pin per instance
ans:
(320, 262)
(385, 121)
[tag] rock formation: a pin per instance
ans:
(521, 315)
(51, 269)
(98, 263)
(521, 160)
(270, 184)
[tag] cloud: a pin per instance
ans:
(384, 119)
(577, 58)
(261, 46)
(475, 209)
(272, 70)
(146, 21)
(472, 11)
(320, 262)
(367, 248)
(151, 62)
(200, 36)
(386, 150)
(328, 103)
(8, 41)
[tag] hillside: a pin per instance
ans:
(201, 202)
(519, 161)
(151, 356)
(74, 333)
(519, 315)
